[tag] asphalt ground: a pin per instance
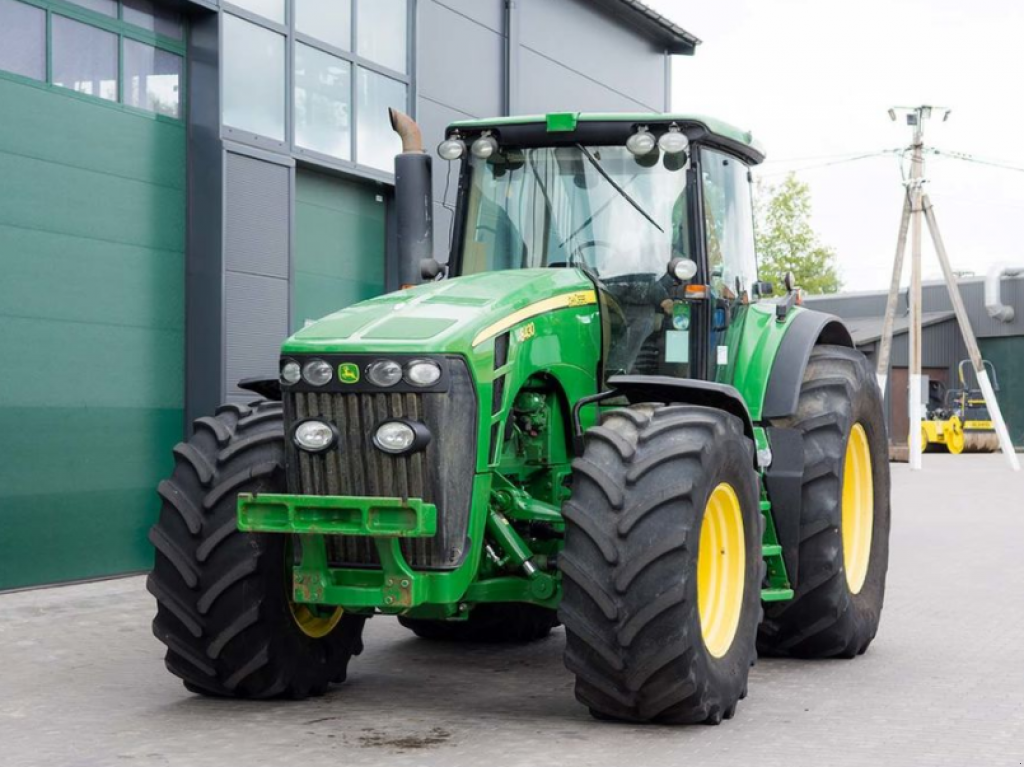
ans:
(82, 680)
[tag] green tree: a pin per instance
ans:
(786, 242)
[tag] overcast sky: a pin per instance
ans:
(814, 78)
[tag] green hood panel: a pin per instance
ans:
(441, 316)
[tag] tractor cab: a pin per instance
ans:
(655, 210)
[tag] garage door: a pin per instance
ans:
(338, 257)
(1007, 354)
(92, 208)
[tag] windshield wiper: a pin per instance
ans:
(622, 192)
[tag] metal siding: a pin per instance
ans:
(1007, 355)
(443, 76)
(339, 245)
(257, 202)
(935, 298)
(92, 231)
(571, 46)
(256, 323)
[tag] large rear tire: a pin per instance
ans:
(489, 623)
(844, 525)
(224, 607)
(662, 565)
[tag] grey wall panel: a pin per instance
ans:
(461, 63)
(935, 298)
(591, 41)
(256, 323)
(489, 13)
(203, 254)
(257, 210)
(548, 86)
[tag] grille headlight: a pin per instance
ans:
(314, 436)
(394, 437)
(384, 373)
(317, 372)
(291, 373)
(401, 436)
(423, 373)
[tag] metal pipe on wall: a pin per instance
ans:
(994, 305)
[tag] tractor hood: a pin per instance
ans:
(448, 316)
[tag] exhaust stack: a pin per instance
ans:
(413, 201)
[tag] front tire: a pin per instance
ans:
(844, 525)
(664, 507)
(224, 607)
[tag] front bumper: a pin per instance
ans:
(385, 520)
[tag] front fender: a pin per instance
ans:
(771, 356)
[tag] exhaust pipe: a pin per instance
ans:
(413, 201)
(994, 305)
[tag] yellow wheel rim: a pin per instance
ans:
(721, 570)
(312, 622)
(858, 508)
(954, 436)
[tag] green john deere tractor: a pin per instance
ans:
(592, 415)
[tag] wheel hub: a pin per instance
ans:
(858, 508)
(721, 568)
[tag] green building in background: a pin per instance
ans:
(183, 184)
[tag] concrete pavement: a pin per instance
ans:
(82, 681)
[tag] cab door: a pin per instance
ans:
(728, 230)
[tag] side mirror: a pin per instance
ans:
(430, 268)
(763, 288)
(789, 281)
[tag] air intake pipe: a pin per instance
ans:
(994, 305)
(413, 201)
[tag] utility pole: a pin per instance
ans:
(917, 206)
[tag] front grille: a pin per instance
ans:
(441, 474)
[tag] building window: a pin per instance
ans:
(326, 20)
(376, 143)
(268, 9)
(152, 78)
(381, 33)
(84, 58)
(254, 71)
(155, 18)
(106, 7)
(118, 62)
(323, 102)
(23, 39)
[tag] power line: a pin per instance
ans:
(977, 160)
(855, 158)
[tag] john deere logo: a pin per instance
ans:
(348, 372)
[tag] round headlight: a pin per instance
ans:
(683, 269)
(291, 373)
(385, 373)
(394, 437)
(314, 436)
(423, 373)
(673, 142)
(641, 143)
(452, 149)
(317, 372)
(484, 147)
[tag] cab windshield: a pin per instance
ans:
(597, 208)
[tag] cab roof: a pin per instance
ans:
(739, 140)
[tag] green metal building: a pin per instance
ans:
(183, 184)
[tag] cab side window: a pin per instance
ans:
(729, 224)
